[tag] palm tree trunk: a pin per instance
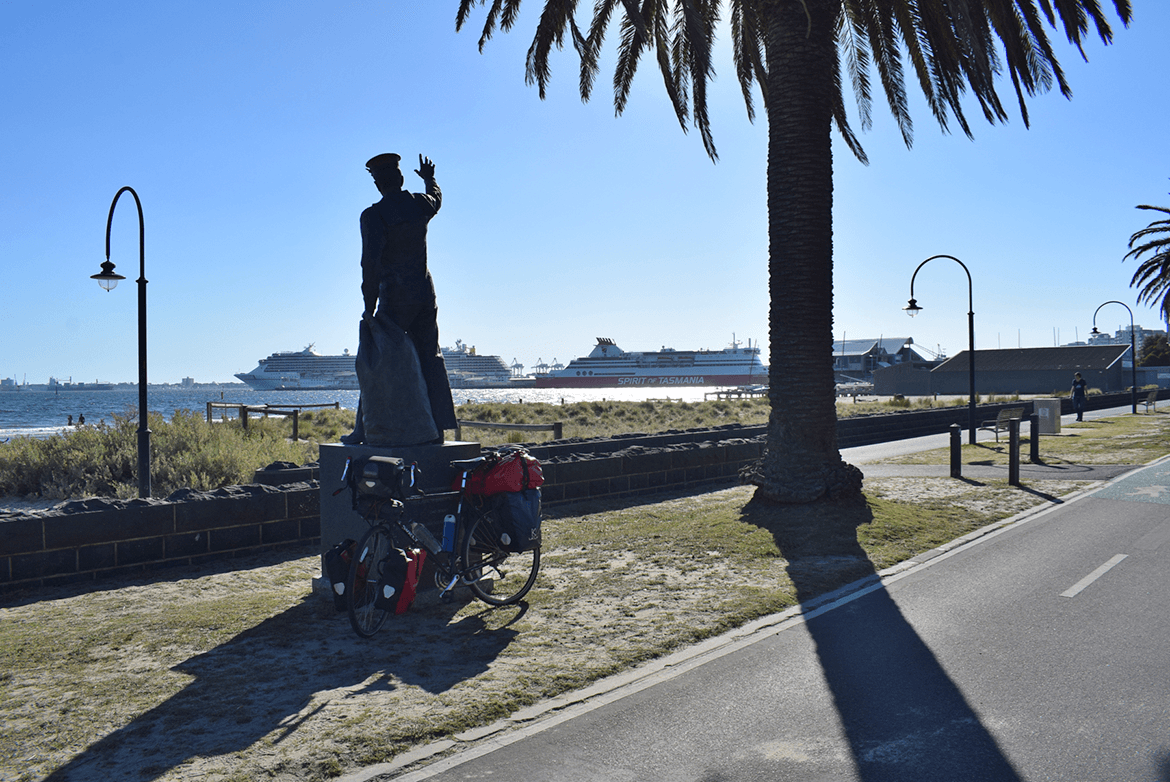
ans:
(801, 462)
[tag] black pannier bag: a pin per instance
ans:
(337, 561)
(391, 580)
(519, 515)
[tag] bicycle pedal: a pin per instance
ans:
(445, 594)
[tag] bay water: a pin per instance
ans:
(45, 413)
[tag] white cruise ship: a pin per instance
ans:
(468, 369)
(608, 366)
(308, 370)
(305, 370)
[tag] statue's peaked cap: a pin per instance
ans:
(385, 160)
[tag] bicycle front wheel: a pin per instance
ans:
(500, 577)
(361, 585)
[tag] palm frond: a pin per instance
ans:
(555, 21)
(1152, 277)
(851, 39)
(957, 50)
(882, 32)
(747, 37)
(507, 9)
(670, 64)
(591, 46)
(909, 21)
(464, 11)
(840, 118)
(695, 36)
(635, 37)
(510, 14)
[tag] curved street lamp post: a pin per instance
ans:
(1132, 350)
(913, 309)
(108, 279)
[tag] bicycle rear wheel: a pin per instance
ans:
(505, 576)
(361, 585)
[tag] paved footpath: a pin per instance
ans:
(1035, 651)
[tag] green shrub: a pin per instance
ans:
(185, 452)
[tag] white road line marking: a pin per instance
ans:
(1076, 588)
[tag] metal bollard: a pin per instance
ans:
(1014, 452)
(1034, 439)
(956, 451)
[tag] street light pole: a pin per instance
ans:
(913, 309)
(108, 279)
(1132, 350)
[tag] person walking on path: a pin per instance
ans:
(1079, 395)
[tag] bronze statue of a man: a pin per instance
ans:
(399, 293)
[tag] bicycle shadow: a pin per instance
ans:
(273, 677)
(903, 717)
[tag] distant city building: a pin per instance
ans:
(188, 382)
(1121, 337)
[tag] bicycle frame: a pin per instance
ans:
(475, 547)
(452, 572)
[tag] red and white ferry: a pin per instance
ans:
(608, 366)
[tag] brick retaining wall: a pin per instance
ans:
(93, 539)
(638, 470)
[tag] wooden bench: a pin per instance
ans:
(1151, 401)
(1000, 423)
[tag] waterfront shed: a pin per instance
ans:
(1035, 370)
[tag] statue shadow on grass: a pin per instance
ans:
(905, 720)
(272, 678)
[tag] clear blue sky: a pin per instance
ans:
(244, 128)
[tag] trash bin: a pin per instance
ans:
(1048, 411)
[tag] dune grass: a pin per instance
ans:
(186, 452)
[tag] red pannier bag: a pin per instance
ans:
(398, 582)
(414, 564)
(507, 469)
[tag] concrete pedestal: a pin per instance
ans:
(340, 521)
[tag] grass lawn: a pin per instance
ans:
(1123, 439)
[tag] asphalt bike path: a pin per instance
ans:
(1033, 651)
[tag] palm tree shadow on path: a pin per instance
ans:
(905, 720)
(272, 678)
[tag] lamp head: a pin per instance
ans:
(912, 308)
(107, 279)
(1095, 332)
